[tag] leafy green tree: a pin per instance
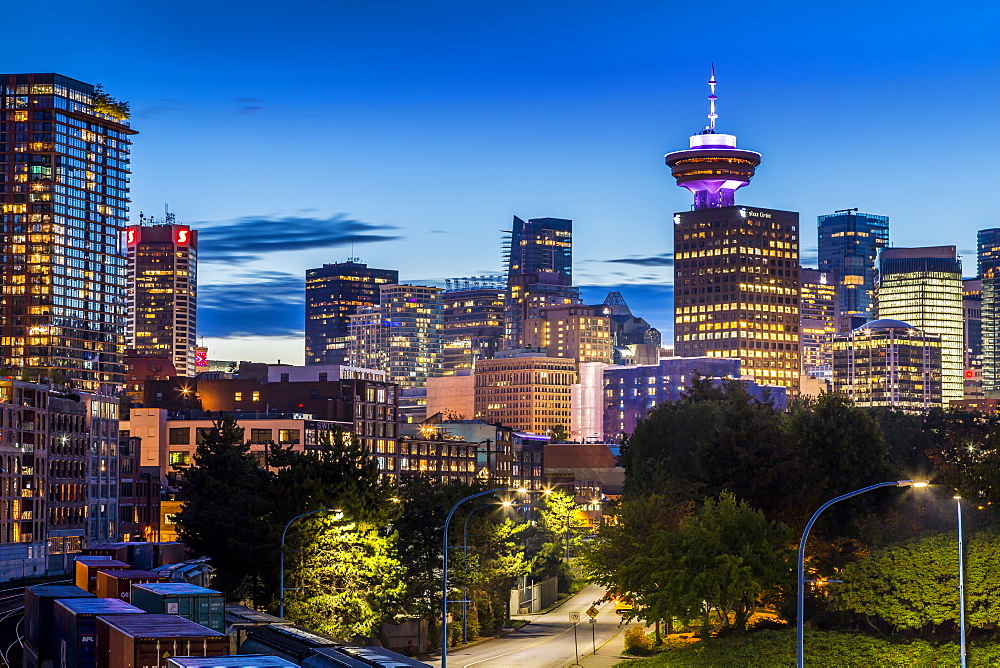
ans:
(914, 584)
(226, 514)
(558, 532)
(346, 577)
(558, 434)
(497, 558)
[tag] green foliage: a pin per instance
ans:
(914, 584)
(636, 639)
(346, 577)
(966, 454)
(558, 434)
(227, 515)
(105, 104)
(558, 533)
(770, 649)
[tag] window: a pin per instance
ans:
(179, 458)
(260, 435)
(180, 436)
(284, 378)
(288, 435)
(200, 434)
(255, 396)
(238, 396)
(322, 377)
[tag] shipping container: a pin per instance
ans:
(168, 553)
(74, 632)
(86, 571)
(242, 661)
(147, 641)
(142, 556)
(38, 603)
(287, 641)
(117, 551)
(118, 584)
(30, 657)
(328, 657)
(198, 604)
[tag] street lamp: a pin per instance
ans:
(961, 581)
(465, 544)
(799, 625)
(444, 574)
(281, 573)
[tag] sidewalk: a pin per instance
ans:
(608, 654)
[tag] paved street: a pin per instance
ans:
(547, 642)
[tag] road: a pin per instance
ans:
(547, 642)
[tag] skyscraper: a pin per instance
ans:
(736, 269)
(64, 148)
(849, 244)
(539, 273)
(819, 321)
(989, 272)
(923, 287)
(402, 335)
(473, 321)
(335, 292)
(972, 305)
(163, 291)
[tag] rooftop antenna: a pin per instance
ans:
(168, 217)
(711, 103)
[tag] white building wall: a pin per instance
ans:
(587, 403)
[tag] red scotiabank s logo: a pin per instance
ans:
(131, 236)
(182, 236)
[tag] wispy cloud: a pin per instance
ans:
(267, 303)
(663, 260)
(252, 237)
(159, 108)
(249, 105)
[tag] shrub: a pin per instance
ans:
(637, 642)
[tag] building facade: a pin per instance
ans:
(888, 363)
(473, 320)
(335, 292)
(989, 273)
(539, 257)
(65, 153)
(736, 290)
(972, 305)
(401, 336)
(573, 330)
(529, 394)
(162, 291)
(849, 244)
(818, 311)
(923, 287)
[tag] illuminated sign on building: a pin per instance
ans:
(183, 235)
(132, 236)
(201, 356)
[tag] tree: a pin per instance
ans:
(914, 584)
(558, 434)
(226, 513)
(558, 529)
(346, 578)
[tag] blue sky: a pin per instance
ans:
(287, 131)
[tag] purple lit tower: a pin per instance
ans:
(713, 168)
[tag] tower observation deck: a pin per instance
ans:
(713, 168)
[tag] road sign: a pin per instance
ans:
(592, 612)
(593, 620)
(574, 617)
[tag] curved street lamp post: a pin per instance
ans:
(799, 622)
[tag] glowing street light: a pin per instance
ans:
(801, 609)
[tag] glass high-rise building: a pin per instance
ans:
(819, 321)
(473, 313)
(335, 292)
(849, 244)
(163, 291)
(923, 287)
(989, 271)
(539, 273)
(64, 157)
(972, 304)
(401, 336)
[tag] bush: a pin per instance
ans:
(637, 642)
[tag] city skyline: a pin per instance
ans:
(407, 132)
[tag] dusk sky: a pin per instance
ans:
(285, 132)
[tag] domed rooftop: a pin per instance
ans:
(886, 323)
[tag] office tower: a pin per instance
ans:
(473, 312)
(634, 340)
(402, 335)
(818, 311)
(574, 330)
(527, 392)
(972, 306)
(162, 291)
(849, 244)
(989, 273)
(736, 269)
(539, 272)
(923, 287)
(65, 160)
(888, 363)
(335, 292)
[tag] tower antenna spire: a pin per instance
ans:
(711, 102)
